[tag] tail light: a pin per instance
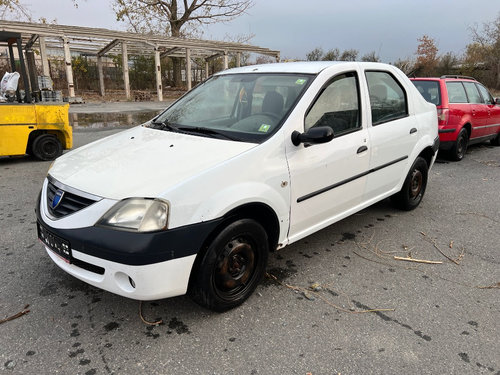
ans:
(443, 116)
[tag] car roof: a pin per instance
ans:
(304, 67)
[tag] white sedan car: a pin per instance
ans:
(251, 160)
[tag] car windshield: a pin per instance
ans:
(246, 107)
(429, 90)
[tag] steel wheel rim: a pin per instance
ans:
(416, 184)
(236, 268)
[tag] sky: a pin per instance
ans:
(295, 27)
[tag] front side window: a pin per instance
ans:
(456, 92)
(472, 93)
(387, 97)
(337, 106)
(487, 98)
(243, 107)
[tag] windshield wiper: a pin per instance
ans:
(165, 125)
(206, 131)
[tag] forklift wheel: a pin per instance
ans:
(46, 147)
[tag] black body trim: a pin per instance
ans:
(132, 248)
(435, 146)
(447, 130)
(350, 179)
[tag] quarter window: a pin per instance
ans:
(472, 92)
(487, 99)
(337, 106)
(456, 92)
(387, 97)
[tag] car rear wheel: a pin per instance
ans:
(458, 150)
(496, 141)
(46, 147)
(232, 266)
(413, 189)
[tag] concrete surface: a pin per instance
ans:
(440, 319)
(118, 107)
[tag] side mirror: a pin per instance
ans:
(496, 101)
(322, 134)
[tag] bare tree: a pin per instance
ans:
(331, 55)
(349, 55)
(315, 55)
(426, 56)
(15, 9)
(177, 18)
(371, 56)
(484, 53)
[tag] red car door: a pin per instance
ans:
(493, 123)
(479, 110)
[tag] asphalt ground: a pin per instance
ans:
(425, 318)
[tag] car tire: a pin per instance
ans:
(496, 141)
(459, 149)
(232, 266)
(46, 147)
(412, 192)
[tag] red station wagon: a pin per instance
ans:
(467, 113)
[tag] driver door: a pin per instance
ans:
(328, 180)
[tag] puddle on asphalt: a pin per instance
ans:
(102, 121)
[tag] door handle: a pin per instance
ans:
(413, 130)
(362, 149)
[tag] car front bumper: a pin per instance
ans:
(142, 266)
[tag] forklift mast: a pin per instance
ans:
(14, 39)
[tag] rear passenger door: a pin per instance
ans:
(465, 106)
(392, 133)
(493, 123)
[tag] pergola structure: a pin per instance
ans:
(99, 42)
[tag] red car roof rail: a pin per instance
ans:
(458, 76)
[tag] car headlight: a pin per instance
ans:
(137, 214)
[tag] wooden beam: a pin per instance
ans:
(126, 81)
(101, 76)
(170, 51)
(108, 47)
(43, 55)
(188, 69)
(69, 69)
(159, 87)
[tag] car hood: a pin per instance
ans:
(141, 162)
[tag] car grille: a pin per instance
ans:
(70, 202)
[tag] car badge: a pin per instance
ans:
(57, 199)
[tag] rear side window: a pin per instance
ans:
(337, 106)
(456, 92)
(472, 92)
(487, 99)
(387, 97)
(429, 90)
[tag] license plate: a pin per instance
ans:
(58, 245)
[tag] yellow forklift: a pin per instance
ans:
(28, 126)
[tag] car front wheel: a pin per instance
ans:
(231, 267)
(413, 189)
